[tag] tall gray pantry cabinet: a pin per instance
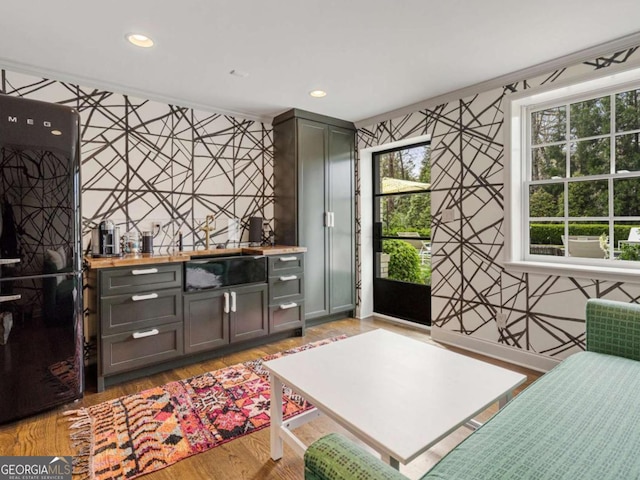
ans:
(314, 184)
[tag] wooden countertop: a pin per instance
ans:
(146, 258)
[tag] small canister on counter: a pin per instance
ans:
(131, 242)
(147, 242)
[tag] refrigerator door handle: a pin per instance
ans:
(10, 298)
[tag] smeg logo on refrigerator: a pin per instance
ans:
(32, 123)
(28, 121)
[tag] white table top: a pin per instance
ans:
(397, 394)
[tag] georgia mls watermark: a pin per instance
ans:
(35, 468)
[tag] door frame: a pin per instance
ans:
(364, 308)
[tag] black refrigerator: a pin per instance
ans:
(41, 340)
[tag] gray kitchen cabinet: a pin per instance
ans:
(214, 318)
(286, 292)
(248, 316)
(206, 325)
(140, 318)
(314, 185)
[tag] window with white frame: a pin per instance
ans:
(572, 177)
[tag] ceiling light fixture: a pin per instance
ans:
(139, 40)
(318, 93)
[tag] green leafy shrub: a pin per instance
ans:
(392, 232)
(551, 234)
(629, 251)
(404, 264)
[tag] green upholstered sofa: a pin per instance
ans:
(581, 420)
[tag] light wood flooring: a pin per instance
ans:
(244, 458)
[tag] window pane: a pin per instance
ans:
(585, 240)
(590, 157)
(628, 111)
(548, 162)
(589, 199)
(546, 238)
(546, 200)
(628, 152)
(626, 200)
(549, 125)
(591, 118)
(404, 262)
(406, 215)
(404, 170)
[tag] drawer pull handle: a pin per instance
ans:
(287, 306)
(288, 259)
(286, 278)
(9, 298)
(149, 333)
(148, 296)
(8, 261)
(144, 271)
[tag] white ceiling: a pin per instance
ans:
(371, 56)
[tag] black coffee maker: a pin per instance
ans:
(105, 240)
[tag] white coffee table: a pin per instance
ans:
(398, 395)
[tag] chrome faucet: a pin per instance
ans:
(207, 230)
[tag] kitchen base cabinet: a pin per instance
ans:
(147, 322)
(286, 292)
(205, 321)
(249, 317)
(140, 318)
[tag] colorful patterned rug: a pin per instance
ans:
(141, 433)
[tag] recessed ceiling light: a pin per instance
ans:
(140, 40)
(239, 73)
(318, 93)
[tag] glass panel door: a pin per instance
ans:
(402, 233)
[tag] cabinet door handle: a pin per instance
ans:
(9, 298)
(148, 296)
(148, 333)
(144, 271)
(286, 278)
(332, 219)
(288, 259)
(233, 301)
(226, 302)
(286, 306)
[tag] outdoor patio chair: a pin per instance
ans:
(423, 246)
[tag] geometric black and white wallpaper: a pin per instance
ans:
(145, 162)
(469, 286)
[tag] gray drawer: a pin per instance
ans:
(132, 311)
(123, 351)
(285, 264)
(282, 318)
(140, 278)
(286, 288)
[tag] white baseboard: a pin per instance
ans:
(406, 323)
(533, 361)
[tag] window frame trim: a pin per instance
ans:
(516, 139)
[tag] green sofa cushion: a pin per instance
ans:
(336, 458)
(580, 421)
